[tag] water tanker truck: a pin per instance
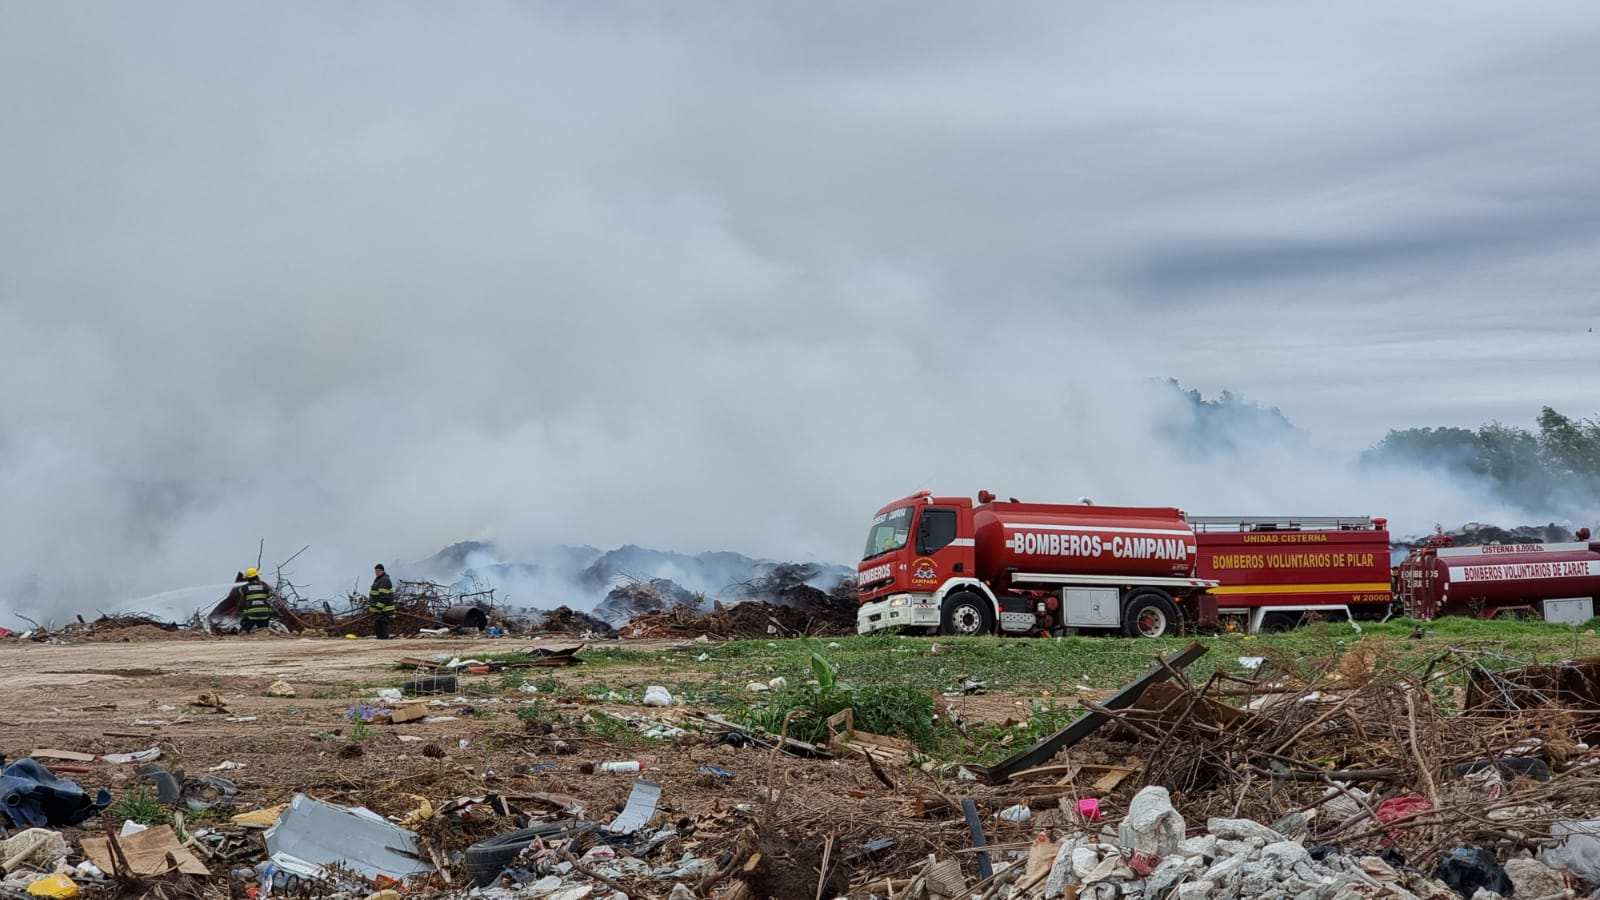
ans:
(948, 565)
(1558, 582)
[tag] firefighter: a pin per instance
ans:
(255, 602)
(380, 600)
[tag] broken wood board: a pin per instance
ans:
(63, 755)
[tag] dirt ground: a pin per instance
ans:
(118, 697)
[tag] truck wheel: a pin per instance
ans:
(1150, 615)
(1278, 622)
(966, 614)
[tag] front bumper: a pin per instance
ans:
(898, 611)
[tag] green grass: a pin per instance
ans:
(139, 805)
(1033, 665)
(891, 682)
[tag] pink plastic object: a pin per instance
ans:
(1089, 809)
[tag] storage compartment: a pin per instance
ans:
(1092, 607)
(1570, 611)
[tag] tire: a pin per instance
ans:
(1279, 622)
(1150, 614)
(485, 860)
(966, 614)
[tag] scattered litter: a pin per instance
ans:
(260, 818)
(1466, 869)
(640, 809)
(240, 719)
(226, 766)
(1017, 814)
(1252, 662)
(137, 756)
(391, 695)
(58, 887)
(757, 687)
(656, 695)
(31, 796)
(36, 848)
(63, 755)
(624, 767)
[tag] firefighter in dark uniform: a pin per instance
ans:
(380, 600)
(255, 602)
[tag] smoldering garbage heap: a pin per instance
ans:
(781, 602)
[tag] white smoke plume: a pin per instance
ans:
(378, 281)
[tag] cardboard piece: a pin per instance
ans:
(260, 818)
(408, 713)
(154, 851)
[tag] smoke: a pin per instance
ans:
(378, 283)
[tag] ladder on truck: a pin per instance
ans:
(1282, 523)
(1269, 524)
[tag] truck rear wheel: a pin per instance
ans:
(1150, 614)
(965, 614)
(1279, 622)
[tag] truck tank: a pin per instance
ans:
(1508, 572)
(1071, 539)
(1462, 579)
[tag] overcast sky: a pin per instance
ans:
(381, 276)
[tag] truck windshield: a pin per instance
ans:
(890, 531)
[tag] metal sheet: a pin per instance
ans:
(640, 810)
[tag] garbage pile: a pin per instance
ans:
(748, 619)
(636, 597)
(123, 627)
(566, 620)
(1371, 789)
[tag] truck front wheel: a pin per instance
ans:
(965, 614)
(1150, 614)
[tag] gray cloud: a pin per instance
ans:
(381, 277)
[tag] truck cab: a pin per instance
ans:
(914, 546)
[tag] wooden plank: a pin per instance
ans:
(65, 755)
(1087, 724)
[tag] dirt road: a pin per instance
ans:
(25, 666)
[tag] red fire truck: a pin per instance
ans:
(1558, 582)
(1273, 572)
(947, 565)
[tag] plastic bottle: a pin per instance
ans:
(625, 767)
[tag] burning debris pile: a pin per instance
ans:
(634, 597)
(1477, 534)
(779, 602)
(418, 605)
(566, 620)
(123, 627)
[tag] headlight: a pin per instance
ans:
(901, 600)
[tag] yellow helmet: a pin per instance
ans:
(251, 572)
